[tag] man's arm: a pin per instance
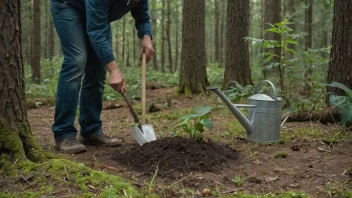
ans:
(142, 19)
(144, 28)
(98, 30)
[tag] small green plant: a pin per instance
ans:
(281, 155)
(343, 103)
(194, 124)
(238, 180)
(237, 91)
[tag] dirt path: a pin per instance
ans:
(303, 162)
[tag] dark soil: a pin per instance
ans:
(174, 155)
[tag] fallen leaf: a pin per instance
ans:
(206, 192)
(294, 185)
(271, 179)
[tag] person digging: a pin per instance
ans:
(83, 27)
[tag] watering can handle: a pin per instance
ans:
(257, 88)
(288, 108)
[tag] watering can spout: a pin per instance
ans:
(236, 112)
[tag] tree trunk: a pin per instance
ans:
(168, 34)
(217, 30)
(36, 42)
(117, 44)
(222, 32)
(177, 37)
(51, 41)
(123, 37)
(308, 45)
(46, 30)
(237, 53)
(292, 11)
(272, 15)
(193, 74)
(134, 45)
(154, 22)
(16, 138)
(340, 67)
(162, 36)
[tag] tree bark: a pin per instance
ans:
(308, 45)
(272, 15)
(162, 36)
(340, 67)
(123, 37)
(177, 37)
(16, 138)
(51, 42)
(222, 32)
(36, 42)
(193, 74)
(168, 34)
(292, 11)
(154, 22)
(217, 31)
(237, 53)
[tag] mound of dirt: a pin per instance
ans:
(177, 155)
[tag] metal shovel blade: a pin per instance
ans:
(147, 135)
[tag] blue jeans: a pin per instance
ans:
(80, 61)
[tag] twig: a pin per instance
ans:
(15, 162)
(124, 192)
(231, 191)
(180, 180)
(152, 181)
(344, 172)
(187, 166)
(66, 171)
(218, 183)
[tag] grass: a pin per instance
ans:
(238, 180)
(281, 155)
(70, 178)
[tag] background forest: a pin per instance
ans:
(305, 58)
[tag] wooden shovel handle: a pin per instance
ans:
(134, 114)
(144, 87)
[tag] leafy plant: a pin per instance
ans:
(238, 180)
(281, 155)
(280, 60)
(194, 124)
(237, 91)
(343, 103)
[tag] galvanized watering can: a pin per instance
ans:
(264, 114)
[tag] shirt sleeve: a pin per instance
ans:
(142, 19)
(98, 29)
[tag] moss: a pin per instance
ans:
(281, 155)
(50, 174)
(281, 195)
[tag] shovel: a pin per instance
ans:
(142, 132)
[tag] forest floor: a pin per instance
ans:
(310, 158)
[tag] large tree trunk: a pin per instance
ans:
(154, 15)
(217, 30)
(222, 32)
(308, 45)
(123, 37)
(193, 74)
(272, 15)
(340, 67)
(36, 42)
(16, 138)
(162, 36)
(51, 42)
(168, 34)
(237, 53)
(292, 11)
(177, 37)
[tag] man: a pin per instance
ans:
(84, 30)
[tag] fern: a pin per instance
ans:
(343, 103)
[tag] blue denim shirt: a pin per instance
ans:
(100, 13)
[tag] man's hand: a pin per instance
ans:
(116, 80)
(147, 48)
